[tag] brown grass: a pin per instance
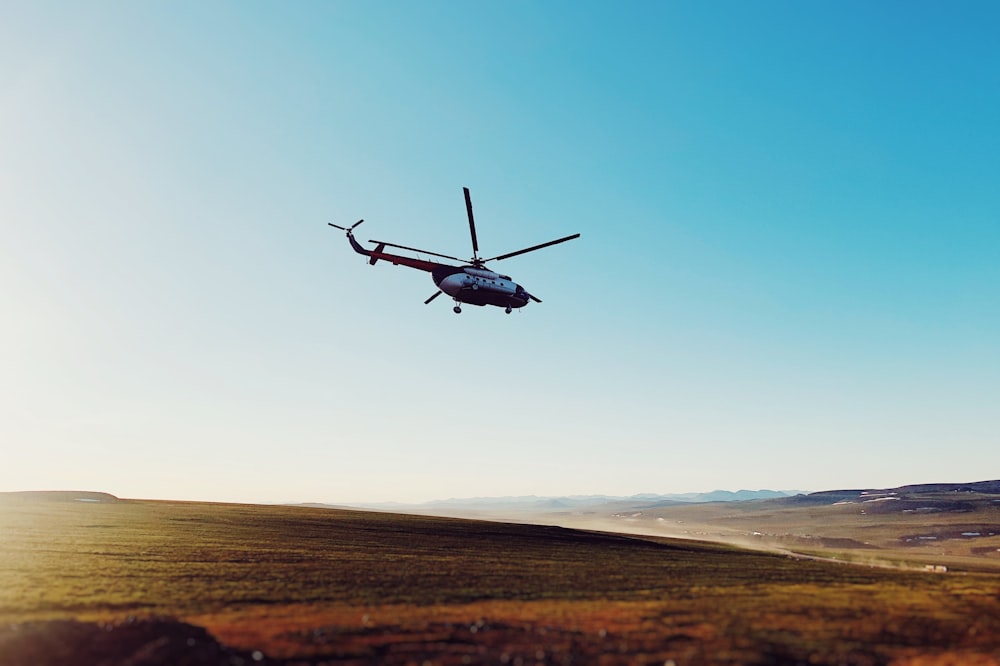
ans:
(319, 585)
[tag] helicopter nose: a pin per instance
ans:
(452, 284)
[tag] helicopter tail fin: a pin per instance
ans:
(374, 254)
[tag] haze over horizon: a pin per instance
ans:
(788, 274)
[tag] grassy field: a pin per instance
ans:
(311, 586)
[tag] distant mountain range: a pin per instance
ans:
(570, 502)
(525, 504)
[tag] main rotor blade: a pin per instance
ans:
(413, 249)
(436, 294)
(533, 248)
(472, 222)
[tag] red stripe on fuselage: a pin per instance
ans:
(397, 260)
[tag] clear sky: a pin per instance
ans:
(788, 275)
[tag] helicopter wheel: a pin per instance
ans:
(457, 310)
(507, 310)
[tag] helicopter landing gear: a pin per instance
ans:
(508, 309)
(457, 309)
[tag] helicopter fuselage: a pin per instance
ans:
(478, 286)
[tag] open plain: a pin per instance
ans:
(88, 578)
(954, 527)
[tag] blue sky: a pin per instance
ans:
(788, 274)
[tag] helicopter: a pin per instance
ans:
(472, 283)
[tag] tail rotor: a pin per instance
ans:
(349, 229)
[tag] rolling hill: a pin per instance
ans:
(151, 583)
